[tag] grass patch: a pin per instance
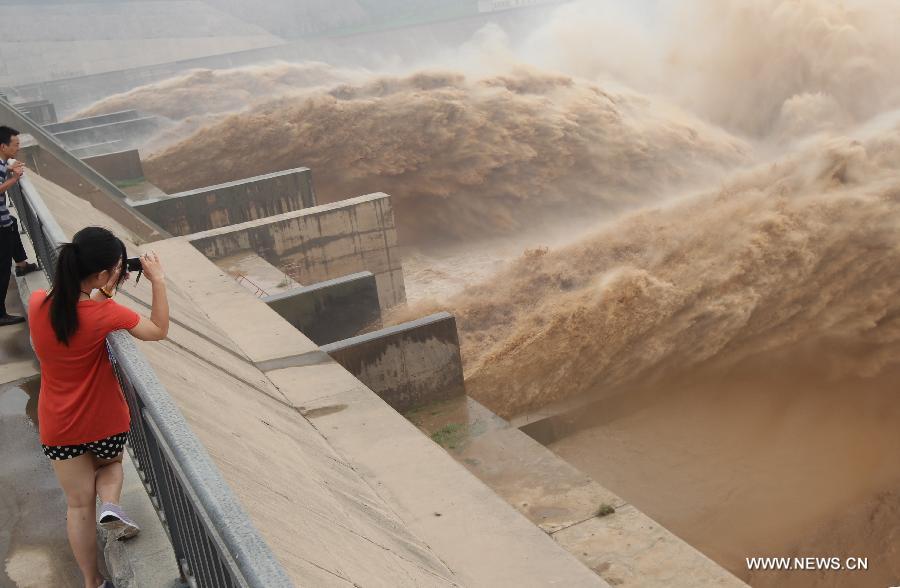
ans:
(605, 510)
(285, 282)
(128, 183)
(450, 436)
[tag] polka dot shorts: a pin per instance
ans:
(104, 449)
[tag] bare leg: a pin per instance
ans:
(77, 478)
(109, 478)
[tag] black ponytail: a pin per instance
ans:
(93, 250)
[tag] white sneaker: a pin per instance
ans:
(114, 520)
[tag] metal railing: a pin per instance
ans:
(215, 543)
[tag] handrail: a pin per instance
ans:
(214, 541)
(241, 278)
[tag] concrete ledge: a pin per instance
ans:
(40, 111)
(130, 132)
(332, 310)
(49, 167)
(98, 149)
(321, 243)
(121, 166)
(232, 203)
(91, 121)
(484, 541)
(625, 547)
(409, 365)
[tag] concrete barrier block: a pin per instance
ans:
(233, 202)
(371, 240)
(390, 236)
(91, 121)
(378, 259)
(410, 365)
(372, 217)
(42, 112)
(314, 245)
(332, 310)
(391, 287)
(122, 166)
(97, 149)
(130, 132)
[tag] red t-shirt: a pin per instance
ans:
(80, 399)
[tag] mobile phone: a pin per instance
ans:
(133, 264)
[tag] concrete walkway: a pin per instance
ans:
(33, 541)
(17, 361)
(33, 544)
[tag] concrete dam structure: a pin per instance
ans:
(336, 436)
(475, 293)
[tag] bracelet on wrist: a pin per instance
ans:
(106, 292)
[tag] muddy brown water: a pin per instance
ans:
(756, 467)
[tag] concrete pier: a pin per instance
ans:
(129, 132)
(232, 203)
(43, 163)
(40, 111)
(91, 121)
(98, 149)
(409, 365)
(118, 167)
(333, 310)
(321, 243)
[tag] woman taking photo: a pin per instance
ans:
(82, 414)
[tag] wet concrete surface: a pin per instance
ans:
(34, 551)
(549, 492)
(17, 361)
(622, 546)
(33, 545)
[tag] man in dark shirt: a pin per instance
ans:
(11, 248)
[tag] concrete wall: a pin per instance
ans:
(361, 50)
(40, 111)
(123, 166)
(333, 310)
(321, 243)
(410, 365)
(91, 121)
(98, 149)
(47, 165)
(75, 38)
(130, 132)
(233, 203)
